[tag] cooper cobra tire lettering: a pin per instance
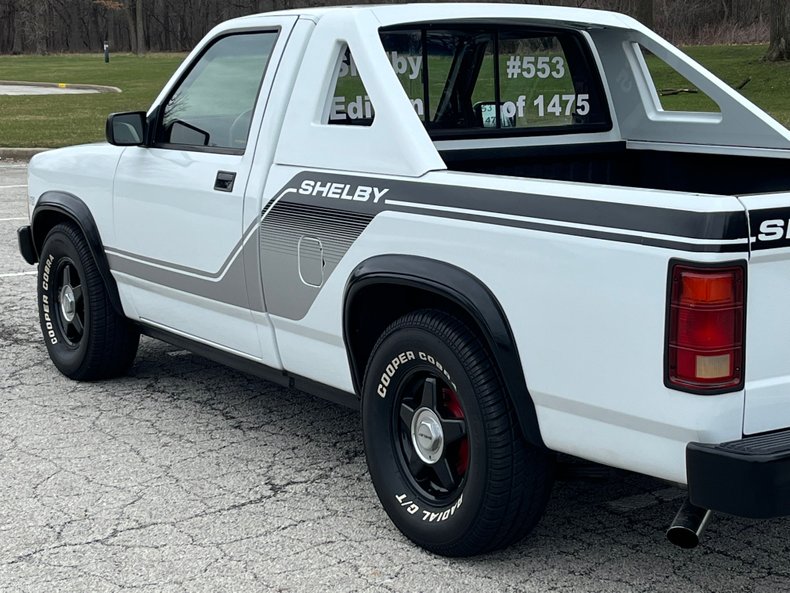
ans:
(85, 337)
(390, 370)
(49, 329)
(403, 358)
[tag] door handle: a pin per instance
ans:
(224, 181)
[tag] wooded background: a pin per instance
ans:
(54, 26)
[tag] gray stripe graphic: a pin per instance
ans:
(601, 219)
(295, 237)
(230, 289)
(303, 233)
(119, 253)
(226, 285)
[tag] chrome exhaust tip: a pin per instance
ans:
(689, 524)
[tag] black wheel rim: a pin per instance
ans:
(428, 411)
(70, 310)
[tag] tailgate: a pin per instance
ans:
(768, 314)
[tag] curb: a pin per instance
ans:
(63, 85)
(20, 154)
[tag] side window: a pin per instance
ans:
(673, 91)
(483, 79)
(349, 102)
(540, 86)
(213, 105)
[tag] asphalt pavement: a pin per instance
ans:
(187, 476)
(25, 89)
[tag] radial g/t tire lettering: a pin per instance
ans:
(85, 337)
(444, 450)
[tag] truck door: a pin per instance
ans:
(180, 242)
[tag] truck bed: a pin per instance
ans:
(612, 163)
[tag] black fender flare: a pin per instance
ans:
(465, 291)
(68, 206)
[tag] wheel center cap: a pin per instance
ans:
(68, 304)
(427, 435)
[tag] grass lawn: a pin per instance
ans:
(50, 121)
(769, 87)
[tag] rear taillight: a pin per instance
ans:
(706, 328)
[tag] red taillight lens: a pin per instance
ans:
(706, 320)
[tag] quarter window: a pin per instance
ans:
(213, 105)
(350, 103)
(673, 91)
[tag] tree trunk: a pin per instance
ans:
(37, 22)
(139, 27)
(130, 26)
(644, 12)
(18, 26)
(166, 26)
(730, 9)
(109, 35)
(780, 31)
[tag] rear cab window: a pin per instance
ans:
(488, 80)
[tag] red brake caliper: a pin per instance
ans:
(453, 407)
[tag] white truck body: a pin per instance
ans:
(580, 269)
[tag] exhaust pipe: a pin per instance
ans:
(688, 526)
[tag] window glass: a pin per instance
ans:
(484, 91)
(537, 85)
(675, 92)
(478, 78)
(440, 49)
(455, 93)
(350, 104)
(405, 55)
(213, 105)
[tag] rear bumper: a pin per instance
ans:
(26, 246)
(748, 478)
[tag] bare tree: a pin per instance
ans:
(18, 24)
(780, 31)
(644, 12)
(35, 23)
(139, 27)
(166, 25)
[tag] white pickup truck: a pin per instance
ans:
(481, 224)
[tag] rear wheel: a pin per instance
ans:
(444, 449)
(85, 337)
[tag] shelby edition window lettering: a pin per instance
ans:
(482, 79)
(350, 103)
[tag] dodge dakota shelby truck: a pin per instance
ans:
(483, 225)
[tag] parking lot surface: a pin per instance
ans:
(187, 476)
(22, 89)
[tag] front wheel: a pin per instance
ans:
(85, 337)
(443, 447)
